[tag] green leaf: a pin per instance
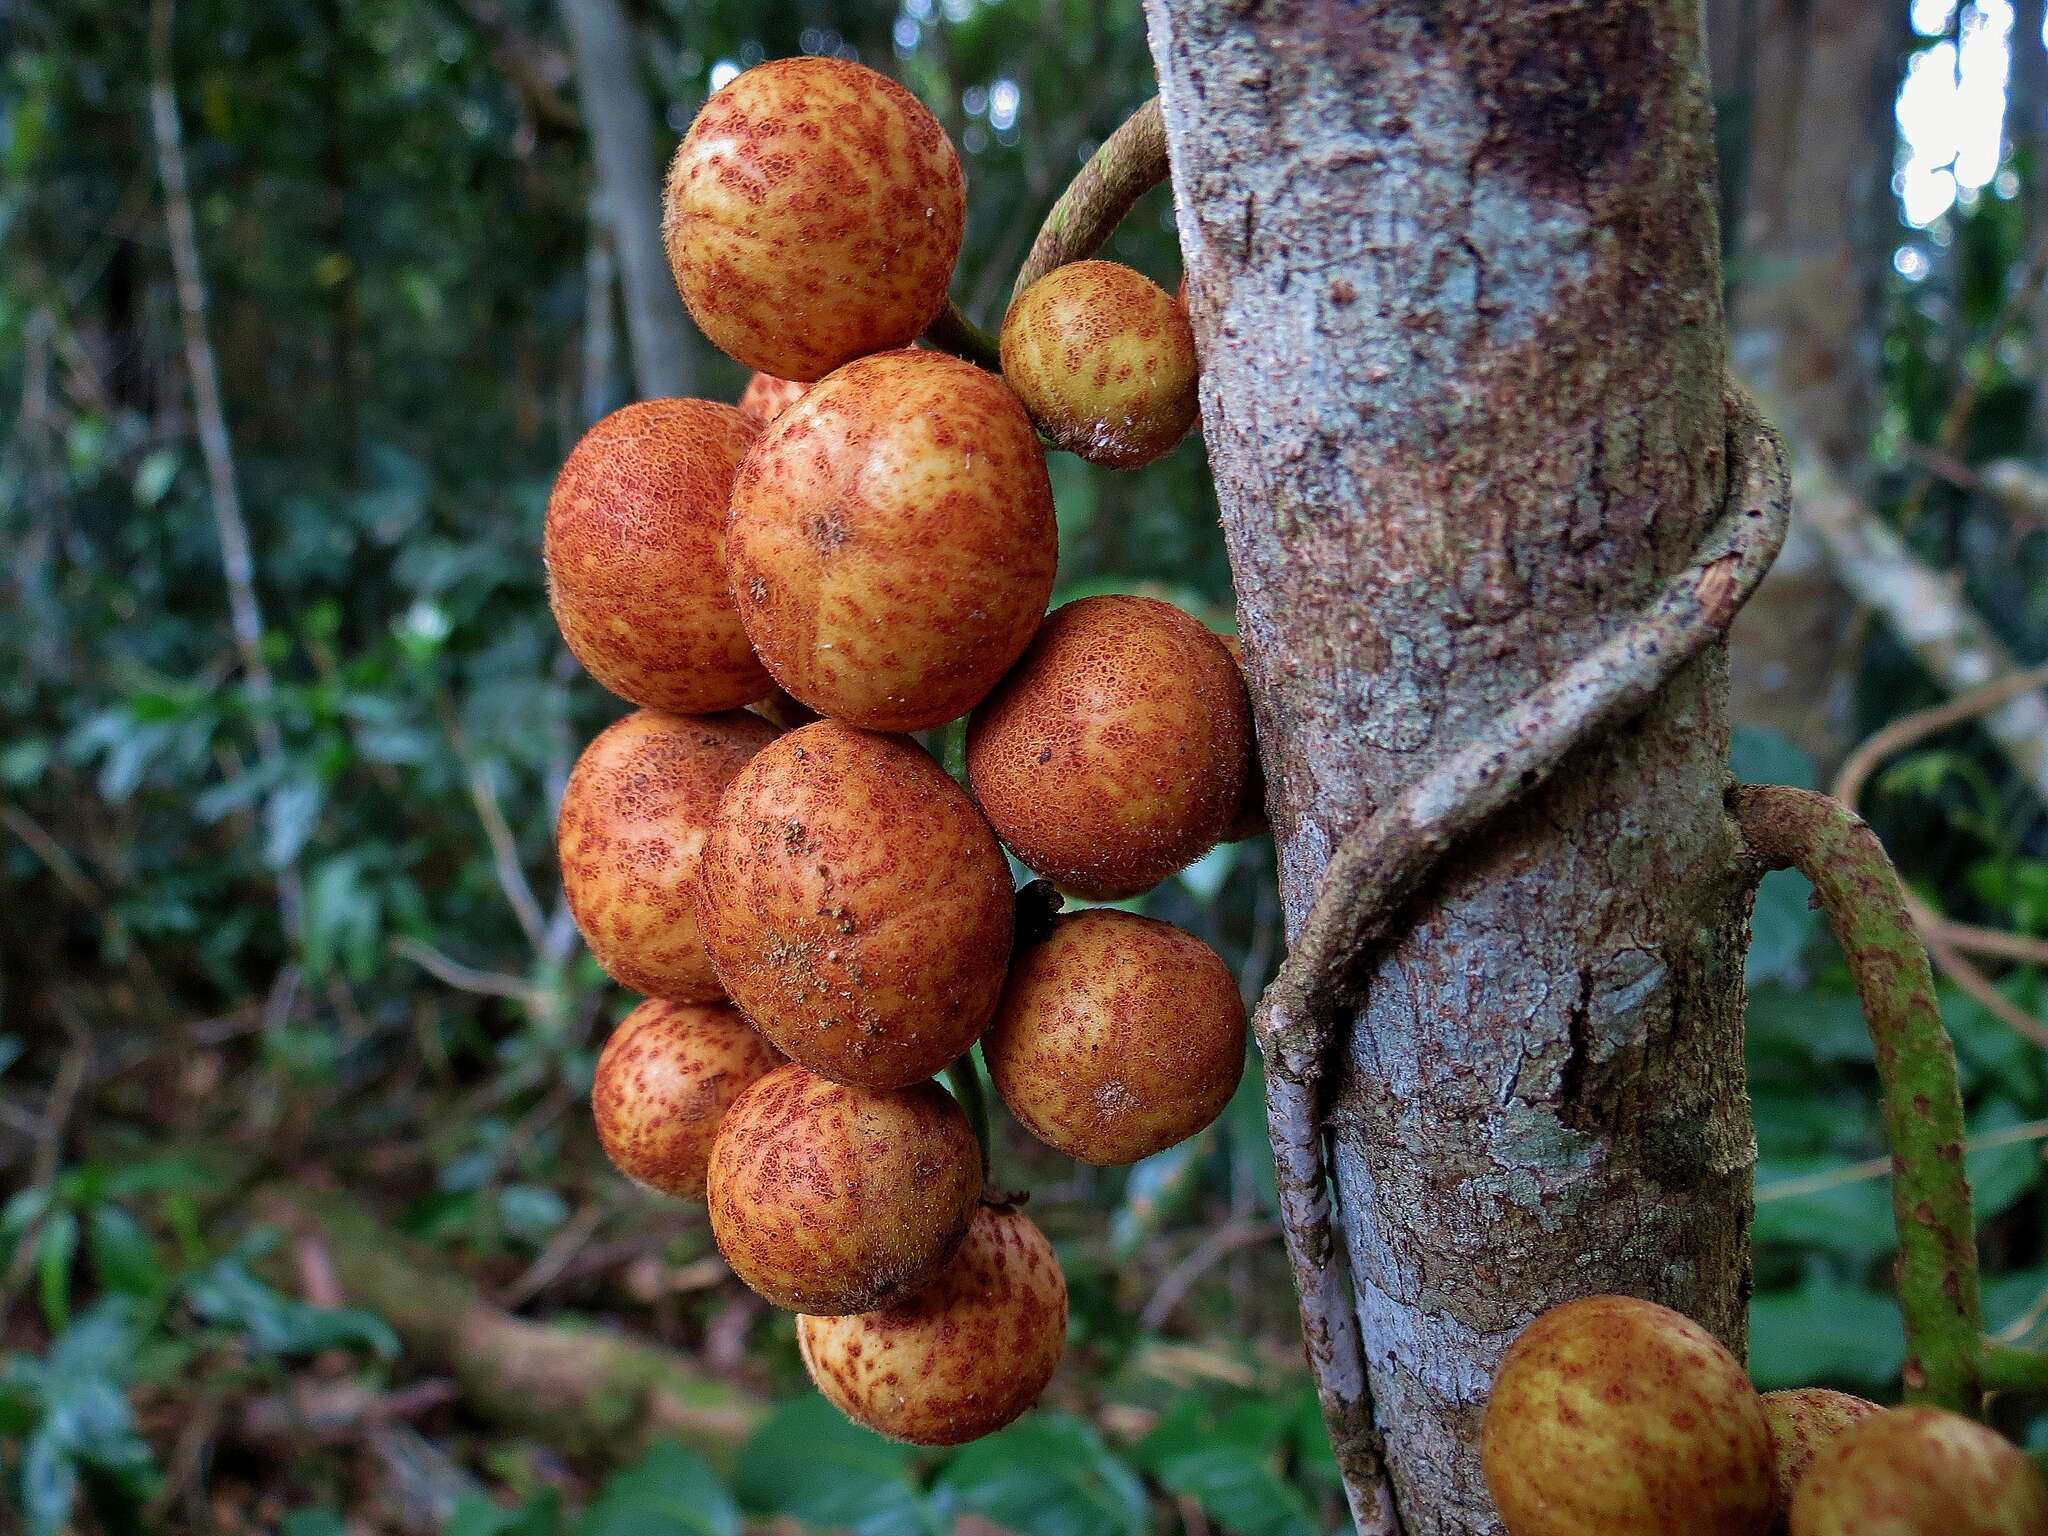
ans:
(1050, 1475)
(1759, 755)
(475, 1515)
(1238, 1489)
(49, 1485)
(1781, 926)
(227, 1294)
(810, 1464)
(123, 1257)
(154, 475)
(56, 1246)
(314, 1521)
(667, 1492)
(1825, 1332)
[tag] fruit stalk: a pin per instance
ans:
(1130, 163)
(2005, 1367)
(953, 332)
(964, 1078)
(1916, 1067)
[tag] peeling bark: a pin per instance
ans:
(1454, 272)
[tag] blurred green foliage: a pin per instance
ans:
(398, 246)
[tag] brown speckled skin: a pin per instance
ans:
(813, 215)
(1920, 1472)
(964, 1356)
(831, 1199)
(1104, 361)
(856, 905)
(1115, 753)
(892, 540)
(1116, 1037)
(1622, 1417)
(767, 397)
(635, 813)
(1802, 1421)
(635, 550)
(1250, 820)
(664, 1081)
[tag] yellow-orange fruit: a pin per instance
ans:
(892, 540)
(1115, 753)
(634, 815)
(635, 551)
(767, 397)
(1620, 1416)
(813, 215)
(664, 1081)
(962, 1357)
(856, 905)
(1250, 819)
(827, 1198)
(1104, 361)
(1803, 1421)
(1116, 1037)
(1920, 1472)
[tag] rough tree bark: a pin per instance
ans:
(1806, 89)
(1455, 275)
(663, 343)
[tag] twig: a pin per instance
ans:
(1910, 730)
(511, 873)
(552, 1260)
(1206, 1255)
(53, 854)
(1878, 1167)
(1381, 862)
(465, 978)
(244, 613)
(1129, 163)
(72, 1069)
(1923, 1108)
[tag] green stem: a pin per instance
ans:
(953, 332)
(1130, 163)
(1916, 1068)
(965, 1080)
(2010, 1368)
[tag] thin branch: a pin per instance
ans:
(244, 614)
(1381, 862)
(1130, 163)
(1878, 1167)
(54, 855)
(466, 978)
(1206, 1255)
(505, 863)
(1916, 1067)
(1910, 730)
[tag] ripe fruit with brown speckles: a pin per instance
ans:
(635, 551)
(664, 1081)
(1620, 1416)
(830, 1199)
(634, 816)
(1251, 819)
(1115, 753)
(1116, 1037)
(1920, 1472)
(856, 905)
(892, 540)
(813, 214)
(1104, 360)
(767, 397)
(961, 1358)
(1802, 1422)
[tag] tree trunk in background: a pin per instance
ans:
(1806, 88)
(1454, 271)
(629, 170)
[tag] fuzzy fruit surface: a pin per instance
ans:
(892, 541)
(961, 1358)
(1115, 753)
(634, 817)
(664, 1081)
(1251, 819)
(856, 905)
(832, 1199)
(813, 214)
(767, 397)
(1920, 1472)
(1104, 361)
(1615, 1415)
(1803, 1421)
(1116, 1037)
(635, 551)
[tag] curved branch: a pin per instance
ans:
(1381, 862)
(1130, 163)
(1916, 1067)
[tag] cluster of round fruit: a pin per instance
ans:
(820, 916)
(1623, 1417)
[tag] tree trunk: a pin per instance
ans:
(629, 171)
(1807, 90)
(1454, 272)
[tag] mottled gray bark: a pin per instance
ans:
(1454, 272)
(629, 166)
(1806, 88)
